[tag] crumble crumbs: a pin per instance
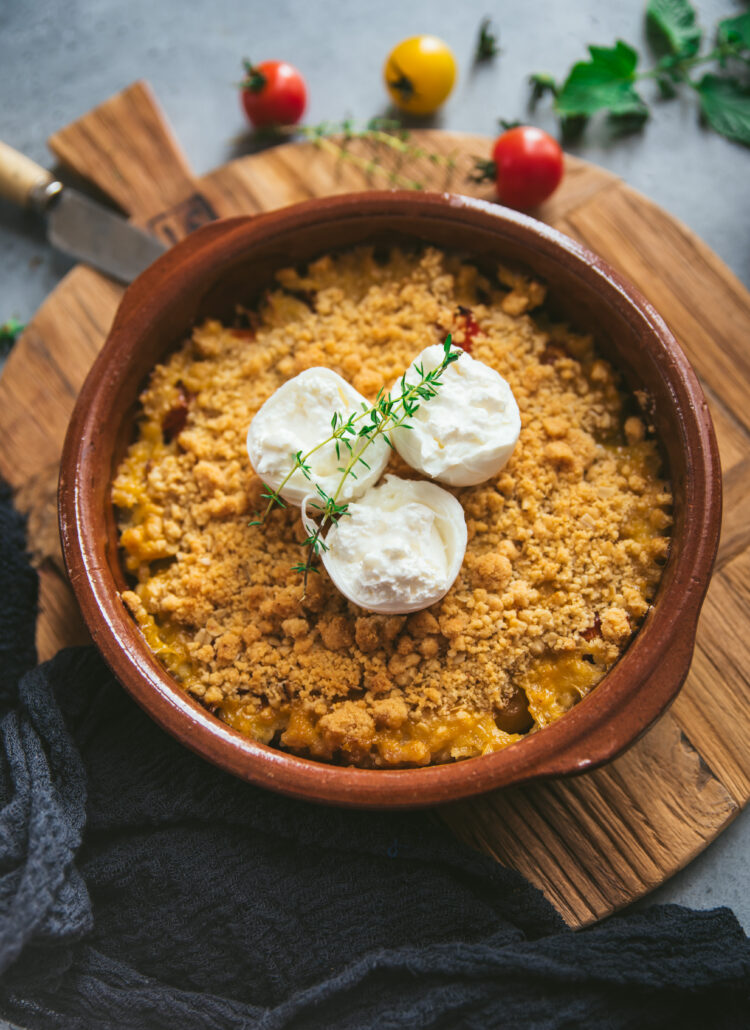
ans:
(565, 546)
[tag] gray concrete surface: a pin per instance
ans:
(58, 58)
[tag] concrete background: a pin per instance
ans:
(58, 58)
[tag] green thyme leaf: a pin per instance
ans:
(606, 82)
(272, 496)
(674, 20)
(725, 104)
(734, 31)
(304, 568)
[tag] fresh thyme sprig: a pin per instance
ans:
(365, 427)
(335, 138)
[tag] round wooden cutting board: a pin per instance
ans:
(605, 838)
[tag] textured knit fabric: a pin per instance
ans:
(141, 887)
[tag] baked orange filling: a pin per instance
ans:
(436, 738)
(565, 545)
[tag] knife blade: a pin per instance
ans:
(89, 232)
(82, 228)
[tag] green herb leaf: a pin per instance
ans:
(572, 127)
(725, 104)
(675, 21)
(486, 47)
(631, 121)
(603, 83)
(272, 496)
(9, 333)
(304, 568)
(666, 86)
(734, 31)
(541, 83)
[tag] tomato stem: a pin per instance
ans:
(484, 171)
(402, 83)
(254, 80)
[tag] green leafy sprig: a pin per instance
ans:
(383, 135)
(351, 437)
(607, 81)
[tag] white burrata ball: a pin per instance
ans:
(296, 418)
(465, 433)
(398, 549)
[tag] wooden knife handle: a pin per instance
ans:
(23, 181)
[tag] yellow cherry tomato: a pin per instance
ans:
(420, 73)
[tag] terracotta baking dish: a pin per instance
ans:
(234, 260)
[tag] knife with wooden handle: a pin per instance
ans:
(82, 228)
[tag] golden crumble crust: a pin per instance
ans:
(565, 545)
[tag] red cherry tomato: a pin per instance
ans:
(273, 93)
(528, 166)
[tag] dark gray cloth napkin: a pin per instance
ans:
(141, 887)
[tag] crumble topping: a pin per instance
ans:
(566, 543)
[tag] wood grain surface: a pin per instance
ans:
(605, 838)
